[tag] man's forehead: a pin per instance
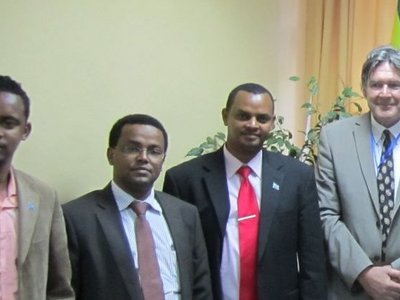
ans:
(140, 133)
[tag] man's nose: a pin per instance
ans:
(252, 122)
(385, 91)
(142, 155)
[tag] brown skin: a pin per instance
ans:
(249, 121)
(136, 173)
(14, 128)
(383, 94)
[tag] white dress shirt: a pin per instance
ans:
(230, 264)
(165, 250)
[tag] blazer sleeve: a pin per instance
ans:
(346, 256)
(59, 271)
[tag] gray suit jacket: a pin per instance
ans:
(349, 207)
(102, 264)
(44, 270)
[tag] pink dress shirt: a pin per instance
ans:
(8, 242)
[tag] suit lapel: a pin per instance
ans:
(215, 182)
(111, 224)
(363, 146)
(271, 183)
(29, 203)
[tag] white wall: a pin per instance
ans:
(87, 63)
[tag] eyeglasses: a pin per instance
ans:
(153, 153)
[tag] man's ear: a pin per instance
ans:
(273, 122)
(27, 131)
(110, 155)
(224, 114)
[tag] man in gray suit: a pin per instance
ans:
(34, 260)
(360, 218)
(101, 225)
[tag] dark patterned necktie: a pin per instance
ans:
(149, 270)
(385, 182)
(248, 219)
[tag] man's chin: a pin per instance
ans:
(387, 118)
(252, 148)
(4, 158)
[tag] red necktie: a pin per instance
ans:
(149, 271)
(248, 219)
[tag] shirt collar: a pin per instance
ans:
(232, 164)
(12, 187)
(10, 201)
(377, 130)
(123, 199)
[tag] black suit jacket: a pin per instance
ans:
(102, 264)
(289, 226)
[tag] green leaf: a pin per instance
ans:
(358, 106)
(220, 135)
(204, 144)
(307, 105)
(197, 151)
(294, 78)
(347, 92)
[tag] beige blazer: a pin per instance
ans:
(44, 270)
(348, 195)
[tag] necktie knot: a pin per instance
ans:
(139, 207)
(244, 171)
(387, 139)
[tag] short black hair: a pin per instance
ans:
(141, 119)
(253, 88)
(9, 85)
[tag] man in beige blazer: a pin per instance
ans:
(34, 262)
(362, 264)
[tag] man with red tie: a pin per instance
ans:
(259, 209)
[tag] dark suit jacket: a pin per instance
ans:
(289, 224)
(102, 264)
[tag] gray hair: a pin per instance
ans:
(375, 58)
